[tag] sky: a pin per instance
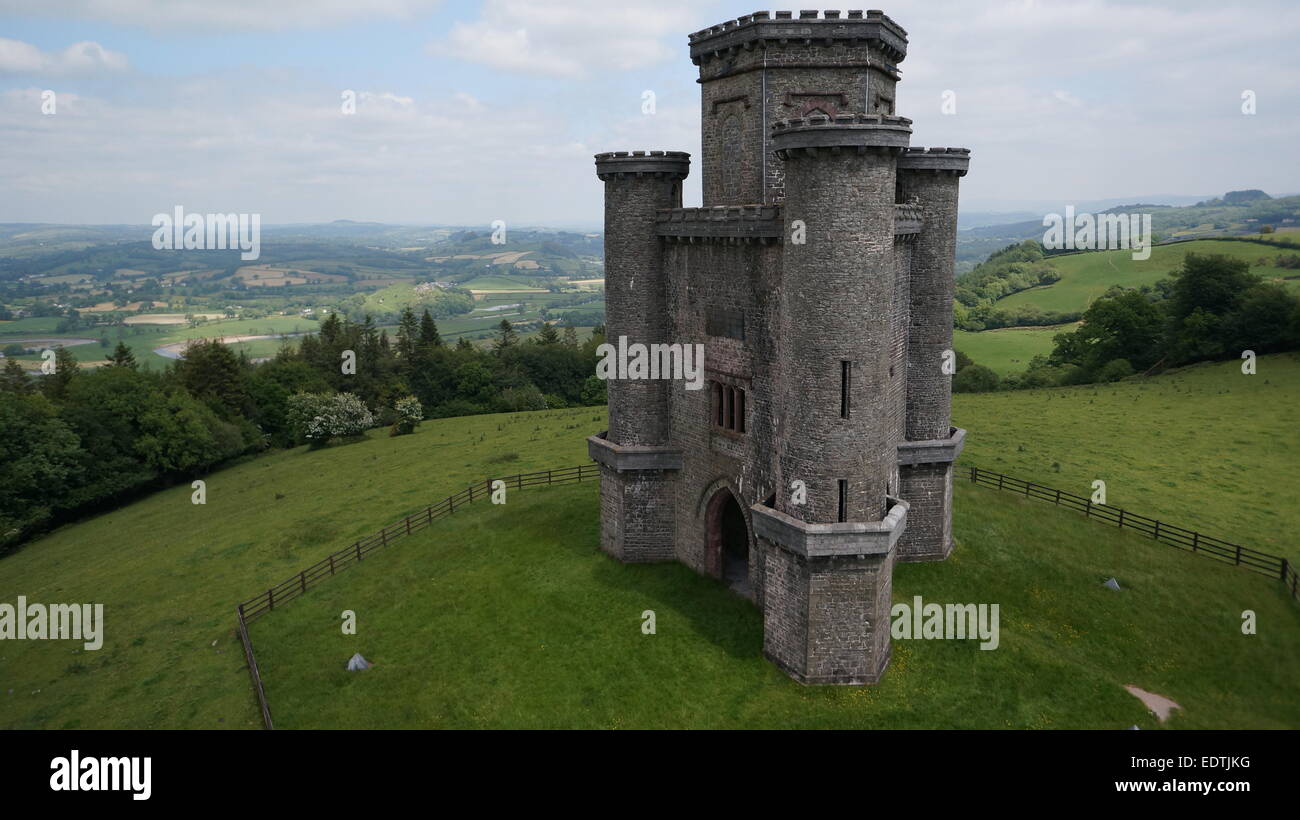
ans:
(470, 112)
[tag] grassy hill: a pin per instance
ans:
(510, 603)
(1203, 447)
(1008, 349)
(1086, 276)
(510, 617)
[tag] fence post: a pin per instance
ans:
(358, 550)
(1028, 484)
(1058, 498)
(429, 510)
(408, 525)
(1087, 508)
(974, 473)
(1285, 564)
(331, 564)
(548, 476)
(1157, 535)
(1121, 518)
(383, 536)
(1000, 477)
(270, 598)
(302, 579)
(519, 481)
(241, 613)
(1196, 539)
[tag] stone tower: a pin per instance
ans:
(818, 277)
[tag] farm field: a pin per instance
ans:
(1203, 447)
(509, 617)
(143, 340)
(1008, 350)
(1086, 276)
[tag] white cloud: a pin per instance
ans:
(576, 38)
(222, 14)
(17, 57)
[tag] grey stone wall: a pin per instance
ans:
(928, 489)
(837, 305)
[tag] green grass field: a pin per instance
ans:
(504, 608)
(169, 573)
(1086, 276)
(1204, 447)
(508, 616)
(1007, 350)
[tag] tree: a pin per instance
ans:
(65, 370)
(13, 379)
(318, 417)
(570, 336)
(408, 414)
(121, 357)
(548, 335)
(408, 333)
(429, 336)
(210, 371)
(507, 337)
(40, 459)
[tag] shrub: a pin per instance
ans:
(975, 379)
(1114, 370)
(408, 414)
(318, 417)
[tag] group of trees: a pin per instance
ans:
(1212, 308)
(85, 439)
(1013, 269)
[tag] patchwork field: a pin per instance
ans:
(1086, 276)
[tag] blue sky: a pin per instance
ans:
(474, 111)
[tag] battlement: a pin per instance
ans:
(721, 222)
(757, 29)
(617, 164)
(950, 160)
(841, 131)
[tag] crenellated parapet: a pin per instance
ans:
(744, 222)
(873, 28)
(943, 160)
(620, 164)
(862, 132)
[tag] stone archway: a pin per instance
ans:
(727, 541)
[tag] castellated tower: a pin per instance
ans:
(818, 277)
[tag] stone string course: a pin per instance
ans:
(798, 125)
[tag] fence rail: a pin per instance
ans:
(298, 584)
(1217, 549)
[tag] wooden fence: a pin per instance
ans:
(297, 585)
(1190, 540)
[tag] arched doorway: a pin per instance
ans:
(727, 551)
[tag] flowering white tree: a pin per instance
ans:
(409, 413)
(318, 417)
